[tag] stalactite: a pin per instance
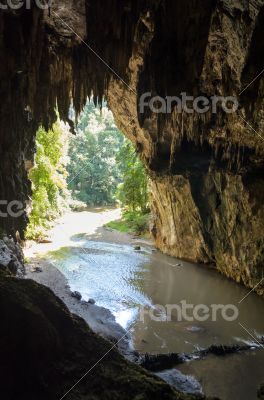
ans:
(164, 47)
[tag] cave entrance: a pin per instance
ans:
(95, 170)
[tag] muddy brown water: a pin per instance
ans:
(124, 280)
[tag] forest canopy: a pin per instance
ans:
(93, 173)
(97, 167)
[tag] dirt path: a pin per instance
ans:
(70, 224)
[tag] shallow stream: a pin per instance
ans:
(124, 280)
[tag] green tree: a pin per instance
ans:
(93, 173)
(48, 176)
(133, 191)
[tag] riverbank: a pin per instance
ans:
(104, 265)
(133, 222)
(66, 229)
(100, 319)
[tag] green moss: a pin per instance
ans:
(119, 225)
(132, 222)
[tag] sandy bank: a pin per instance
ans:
(90, 223)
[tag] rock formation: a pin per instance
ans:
(45, 350)
(206, 169)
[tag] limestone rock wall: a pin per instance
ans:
(177, 226)
(217, 218)
(206, 170)
(11, 258)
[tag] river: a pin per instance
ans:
(137, 286)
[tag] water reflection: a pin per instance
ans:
(122, 280)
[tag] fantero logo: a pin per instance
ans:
(14, 208)
(187, 104)
(189, 312)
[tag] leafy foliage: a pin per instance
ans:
(102, 167)
(48, 178)
(93, 173)
(133, 191)
(105, 168)
(132, 222)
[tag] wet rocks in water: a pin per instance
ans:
(185, 383)
(52, 336)
(221, 350)
(176, 265)
(195, 329)
(137, 248)
(159, 362)
(36, 268)
(88, 303)
(76, 295)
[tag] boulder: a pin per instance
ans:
(76, 295)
